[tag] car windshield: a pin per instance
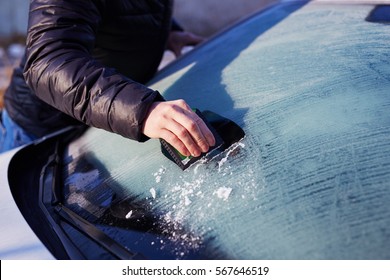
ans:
(309, 84)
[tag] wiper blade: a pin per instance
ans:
(96, 234)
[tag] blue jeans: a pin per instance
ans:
(12, 135)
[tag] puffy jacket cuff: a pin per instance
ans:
(129, 110)
(142, 137)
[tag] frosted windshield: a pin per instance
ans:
(310, 85)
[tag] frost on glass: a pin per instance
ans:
(311, 179)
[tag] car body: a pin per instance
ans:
(17, 239)
(309, 84)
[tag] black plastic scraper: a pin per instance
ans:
(225, 131)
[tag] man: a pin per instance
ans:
(86, 61)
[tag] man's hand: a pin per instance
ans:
(179, 39)
(176, 123)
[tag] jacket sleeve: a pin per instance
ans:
(61, 71)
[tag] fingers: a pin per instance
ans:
(176, 49)
(193, 39)
(189, 129)
(172, 139)
(178, 39)
(208, 135)
(198, 131)
(176, 123)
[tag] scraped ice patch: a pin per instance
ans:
(158, 174)
(223, 193)
(128, 215)
(185, 238)
(199, 163)
(228, 152)
(187, 201)
(153, 193)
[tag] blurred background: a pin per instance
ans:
(206, 17)
(203, 17)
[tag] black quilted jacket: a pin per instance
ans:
(86, 61)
